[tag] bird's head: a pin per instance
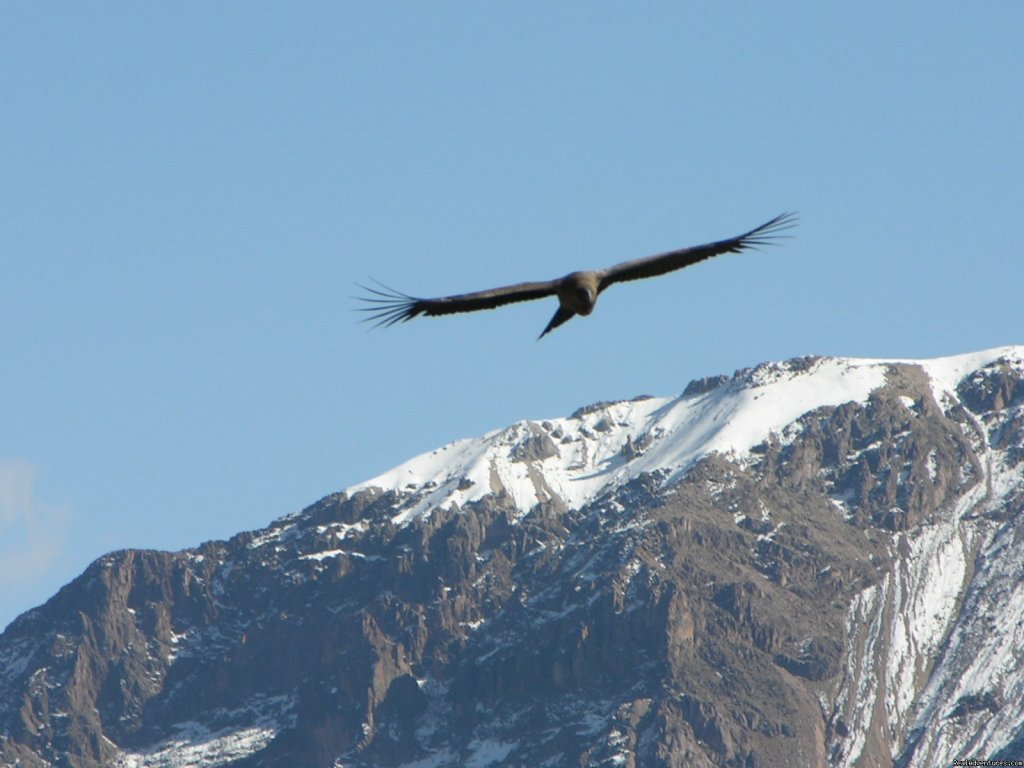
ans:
(585, 299)
(581, 292)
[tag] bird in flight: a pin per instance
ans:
(577, 292)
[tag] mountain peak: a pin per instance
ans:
(571, 461)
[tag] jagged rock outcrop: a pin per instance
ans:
(804, 564)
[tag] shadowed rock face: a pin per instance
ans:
(749, 614)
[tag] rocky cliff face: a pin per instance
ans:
(815, 562)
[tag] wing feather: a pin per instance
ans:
(652, 266)
(387, 306)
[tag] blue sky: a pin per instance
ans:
(189, 191)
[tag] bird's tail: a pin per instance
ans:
(560, 317)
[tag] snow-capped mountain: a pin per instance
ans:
(813, 562)
(572, 461)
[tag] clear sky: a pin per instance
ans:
(188, 192)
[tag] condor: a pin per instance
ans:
(577, 292)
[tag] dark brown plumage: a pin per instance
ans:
(577, 292)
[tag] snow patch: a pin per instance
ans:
(946, 373)
(196, 743)
(197, 746)
(488, 752)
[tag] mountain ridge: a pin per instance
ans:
(797, 565)
(696, 424)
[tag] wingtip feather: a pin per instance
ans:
(769, 232)
(386, 305)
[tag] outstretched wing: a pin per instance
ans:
(652, 266)
(387, 306)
